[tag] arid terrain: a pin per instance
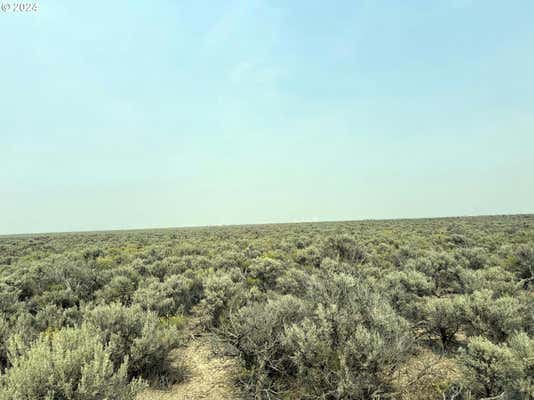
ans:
(393, 309)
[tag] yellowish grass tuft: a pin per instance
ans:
(426, 376)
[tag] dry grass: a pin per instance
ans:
(426, 376)
(209, 377)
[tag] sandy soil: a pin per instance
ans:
(209, 377)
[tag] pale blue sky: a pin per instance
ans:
(130, 114)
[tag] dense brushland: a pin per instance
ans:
(400, 309)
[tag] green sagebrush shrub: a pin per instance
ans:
(293, 281)
(486, 366)
(4, 336)
(500, 369)
(264, 271)
(444, 317)
(58, 279)
(27, 326)
(495, 318)
(220, 291)
(9, 299)
(227, 260)
(256, 331)
(497, 279)
(337, 266)
(351, 343)
(343, 248)
(443, 269)
(310, 255)
(475, 257)
(119, 289)
(138, 334)
(341, 341)
(522, 378)
(524, 265)
(177, 294)
(70, 364)
(406, 289)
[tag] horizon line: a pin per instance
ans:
(162, 228)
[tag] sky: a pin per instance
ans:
(137, 114)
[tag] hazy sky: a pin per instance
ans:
(131, 114)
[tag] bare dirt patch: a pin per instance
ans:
(210, 377)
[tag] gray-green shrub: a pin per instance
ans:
(70, 364)
(138, 334)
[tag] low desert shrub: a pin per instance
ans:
(521, 383)
(350, 345)
(487, 367)
(406, 289)
(119, 289)
(344, 248)
(524, 265)
(256, 331)
(71, 364)
(138, 334)
(219, 290)
(444, 317)
(442, 269)
(308, 256)
(265, 271)
(5, 332)
(475, 257)
(496, 319)
(173, 296)
(340, 340)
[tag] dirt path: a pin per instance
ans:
(210, 377)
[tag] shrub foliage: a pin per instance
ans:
(413, 310)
